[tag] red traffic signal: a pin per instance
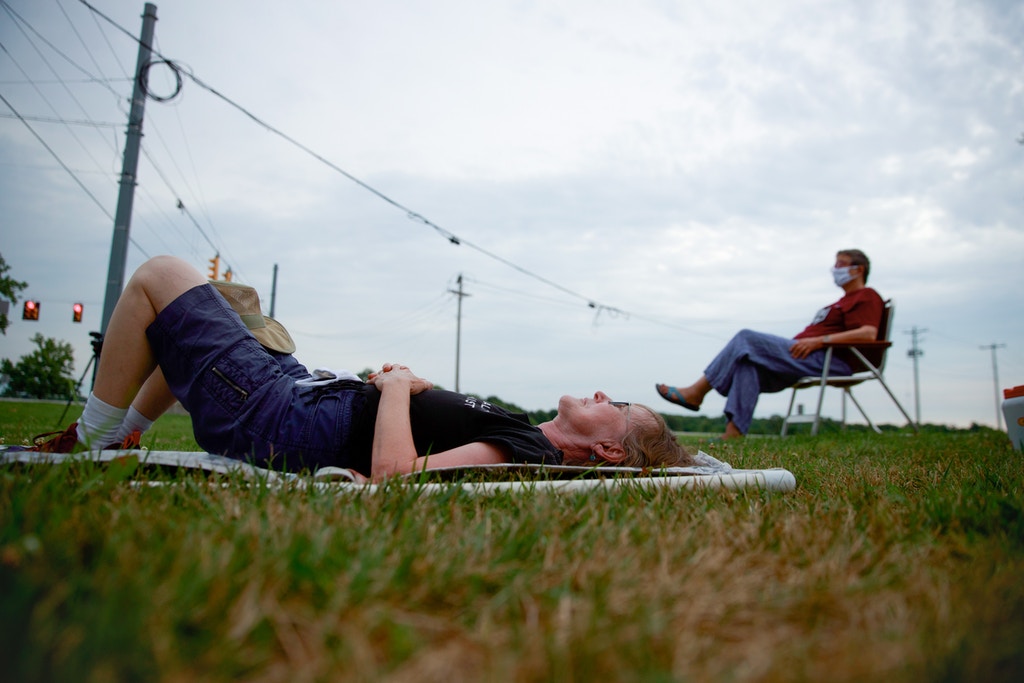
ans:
(76, 313)
(30, 311)
(215, 267)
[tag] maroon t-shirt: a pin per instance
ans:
(859, 308)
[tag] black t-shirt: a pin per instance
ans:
(442, 420)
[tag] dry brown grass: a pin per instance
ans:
(895, 559)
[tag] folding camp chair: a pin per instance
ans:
(868, 365)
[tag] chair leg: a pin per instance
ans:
(817, 412)
(821, 394)
(846, 390)
(785, 421)
(878, 375)
(898, 405)
(864, 414)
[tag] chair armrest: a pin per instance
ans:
(858, 344)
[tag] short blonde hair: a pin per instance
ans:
(650, 443)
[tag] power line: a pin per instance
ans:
(90, 78)
(55, 156)
(65, 167)
(180, 205)
(78, 35)
(46, 100)
(65, 122)
(599, 308)
(22, 23)
(113, 53)
(83, 81)
(412, 215)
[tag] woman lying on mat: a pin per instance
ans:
(175, 336)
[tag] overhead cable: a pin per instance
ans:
(66, 168)
(412, 215)
(55, 156)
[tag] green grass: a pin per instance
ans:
(897, 558)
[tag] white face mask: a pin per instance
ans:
(842, 275)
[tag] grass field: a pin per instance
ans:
(898, 558)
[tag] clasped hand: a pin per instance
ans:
(802, 348)
(393, 373)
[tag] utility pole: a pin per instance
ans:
(273, 292)
(916, 353)
(995, 377)
(458, 329)
(126, 196)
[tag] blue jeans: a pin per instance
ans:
(753, 363)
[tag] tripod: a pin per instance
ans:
(97, 346)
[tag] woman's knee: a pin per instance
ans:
(162, 279)
(746, 337)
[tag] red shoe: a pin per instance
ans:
(67, 442)
(59, 442)
(130, 443)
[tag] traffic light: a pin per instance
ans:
(30, 311)
(215, 267)
(227, 275)
(76, 313)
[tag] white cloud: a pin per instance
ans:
(694, 165)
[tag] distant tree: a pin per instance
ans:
(511, 407)
(47, 372)
(539, 416)
(9, 289)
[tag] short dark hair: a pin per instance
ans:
(857, 258)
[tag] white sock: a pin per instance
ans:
(133, 421)
(99, 424)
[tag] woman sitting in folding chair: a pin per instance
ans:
(753, 363)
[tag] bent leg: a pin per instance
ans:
(127, 359)
(742, 399)
(719, 373)
(746, 345)
(155, 397)
(753, 363)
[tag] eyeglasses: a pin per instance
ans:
(629, 409)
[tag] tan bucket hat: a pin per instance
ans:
(246, 303)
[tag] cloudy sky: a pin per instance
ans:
(630, 181)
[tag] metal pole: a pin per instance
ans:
(123, 217)
(916, 353)
(995, 377)
(273, 292)
(458, 329)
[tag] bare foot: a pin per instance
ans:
(731, 431)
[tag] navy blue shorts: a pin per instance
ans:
(243, 401)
